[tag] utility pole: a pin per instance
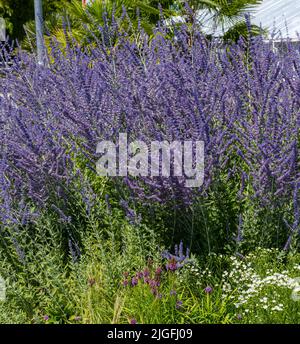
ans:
(39, 26)
(2, 30)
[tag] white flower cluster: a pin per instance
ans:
(248, 284)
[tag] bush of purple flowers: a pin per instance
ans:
(241, 99)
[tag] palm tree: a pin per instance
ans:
(226, 18)
(84, 21)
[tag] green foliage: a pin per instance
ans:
(228, 15)
(19, 12)
(69, 18)
(15, 14)
(82, 23)
(47, 289)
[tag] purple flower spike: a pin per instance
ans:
(134, 281)
(152, 283)
(172, 265)
(180, 249)
(178, 304)
(176, 250)
(139, 275)
(146, 273)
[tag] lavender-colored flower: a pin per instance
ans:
(130, 213)
(173, 292)
(208, 290)
(171, 266)
(176, 249)
(239, 237)
(177, 260)
(178, 304)
(152, 283)
(134, 281)
(180, 253)
(146, 272)
(125, 283)
(45, 317)
(139, 274)
(133, 321)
